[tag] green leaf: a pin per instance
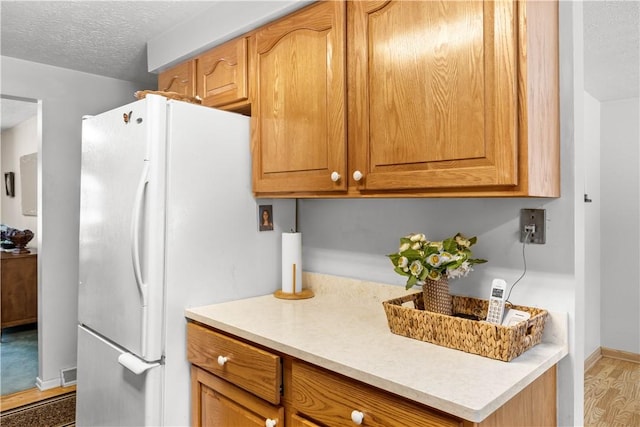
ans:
(412, 280)
(401, 271)
(473, 240)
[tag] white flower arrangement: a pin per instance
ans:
(420, 259)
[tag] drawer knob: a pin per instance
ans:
(357, 417)
(222, 360)
(357, 175)
(335, 176)
(270, 423)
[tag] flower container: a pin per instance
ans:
(472, 336)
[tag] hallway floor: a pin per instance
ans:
(612, 393)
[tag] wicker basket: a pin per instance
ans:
(472, 336)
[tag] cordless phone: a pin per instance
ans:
(496, 301)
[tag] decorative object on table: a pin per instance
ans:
(141, 94)
(462, 331)
(4, 240)
(292, 268)
(432, 263)
(20, 239)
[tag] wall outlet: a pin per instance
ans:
(533, 221)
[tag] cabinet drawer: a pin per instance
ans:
(330, 399)
(248, 367)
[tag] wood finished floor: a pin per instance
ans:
(612, 394)
(32, 395)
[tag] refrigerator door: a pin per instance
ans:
(121, 225)
(215, 250)
(110, 394)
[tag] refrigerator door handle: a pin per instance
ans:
(135, 232)
(134, 364)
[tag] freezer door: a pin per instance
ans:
(121, 225)
(110, 394)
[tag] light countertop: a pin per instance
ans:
(344, 329)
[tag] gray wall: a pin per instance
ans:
(66, 96)
(620, 290)
(592, 224)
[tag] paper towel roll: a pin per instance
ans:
(291, 262)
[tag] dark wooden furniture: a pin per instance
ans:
(19, 289)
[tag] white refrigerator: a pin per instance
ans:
(168, 221)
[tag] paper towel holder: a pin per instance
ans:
(303, 294)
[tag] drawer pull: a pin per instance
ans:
(335, 176)
(357, 417)
(222, 360)
(357, 176)
(270, 423)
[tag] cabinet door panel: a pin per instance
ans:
(216, 402)
(299, 118)
(222, 74)
(180, 79)
(434, 98)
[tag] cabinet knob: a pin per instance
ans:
(357, 417)
(270, 423)
(357, 175)
(222, 360)
(335, 176)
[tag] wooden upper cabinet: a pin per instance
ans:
(454, 98)
(433, 94)
(180, 79)
(299, 134)
(222, 74)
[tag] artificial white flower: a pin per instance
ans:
(461, 241)
(404, 247)
(416, 268)
(416, 246)
(418, 238)
(403, 262)
(437, 245)
(461, 271)
(434, 260)
(434, 275)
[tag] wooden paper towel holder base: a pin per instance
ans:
(303, 294)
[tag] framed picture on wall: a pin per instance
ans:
(9, 184)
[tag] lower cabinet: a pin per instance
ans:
(19, 289)
(216, 402)
(233, 384)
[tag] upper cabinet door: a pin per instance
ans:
(223, 75)
(298, 135)
(180, 79)
(433, 94)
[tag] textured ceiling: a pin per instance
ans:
(99, 37)
(16, 111)
(612, 49)
(109, 38)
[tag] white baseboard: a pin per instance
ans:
(46, 385)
